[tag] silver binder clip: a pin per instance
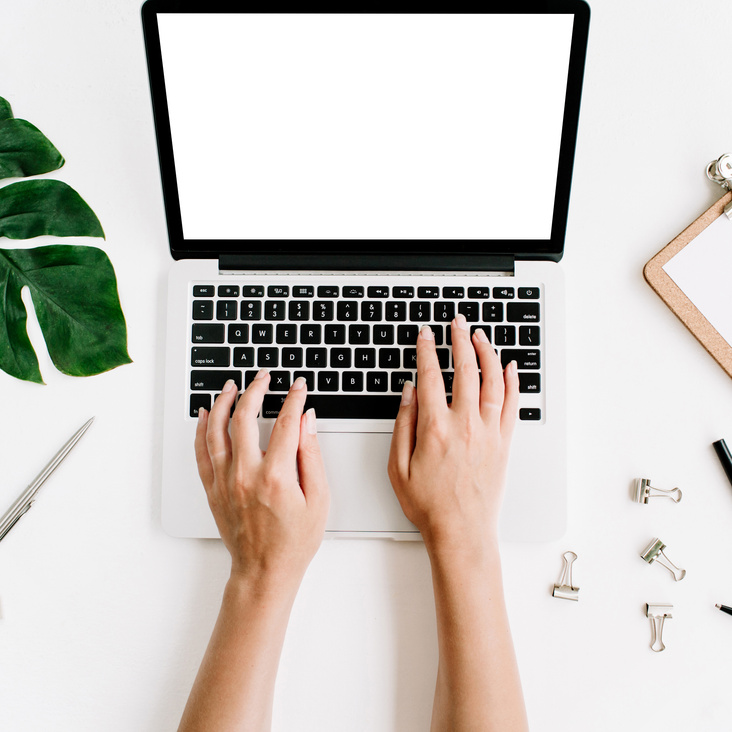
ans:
(654, 553)
(658, 613)
(720, 171)
(644, 490)
(564, 589)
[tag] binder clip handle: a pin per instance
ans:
(654, 553)
(657, 614)
(644, 490)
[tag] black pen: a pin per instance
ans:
(725, 609)
(723, 453)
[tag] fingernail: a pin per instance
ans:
(299, 383)
(427, 333)
(407, 393)
(482, 337)
(229, 386)
(261, 374)
(201, 414)
(310, 422)
(461, 322)
(512, 368)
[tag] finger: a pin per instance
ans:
(492, 389)
(310, 465)
(430, 385)
(244, 425)
(203, 459)
(405, 436)
(285, 436)
(466, 382)
(510, 400)
(217, 431)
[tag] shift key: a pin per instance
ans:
(213, 380)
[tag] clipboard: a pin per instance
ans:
(678, 299)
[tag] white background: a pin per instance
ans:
(103, 619)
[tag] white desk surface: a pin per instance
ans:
(103, 618)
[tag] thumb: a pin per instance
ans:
(310, 466)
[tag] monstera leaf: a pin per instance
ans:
(73, 288)
(74, 292)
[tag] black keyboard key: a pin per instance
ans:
(244, 357)
(340, 358)
(228, 290)
(479, 293)
(252, 291)
(359, 334)
(410, 358)
(335, 334)
(210, 380)
(322, 310)
(522, 312)
(262, 333)
(310, 335)
(389, 358)
(353, 291)
(529, 382)
(444, 312)
(407, 335)
(299, 310)
(211, 357)
(525, 358)
(383, 335)
(347, 310)
(207, 333)
(403, 292)
(203, 290)
(286, 333)
(327, 381)
(377, 381)
(378, 292)
(371, 311)
(278, 291)
(503, 293)
(352, 381)
(328, 291)
(251, 310)
(492, 312)
(309, 377)
(420, 311)
(199, 401)
(279, 381)
(249, 377)
(203, 310)
(443, 357)
(528, 414)
(315, 358)
(292, 358)
(340, 406)
(428, 292)
(226, 310)
(274, 310)
(528, 293)
(529, 335)
(454, 293)
(364, 358)
(505, 335)
(238, 333)
(396, 310)
(398, 378)
(303, 291)
(448, 377)
(471, 311)
(268, 358)
(438, 331)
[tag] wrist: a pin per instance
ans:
(260, 584)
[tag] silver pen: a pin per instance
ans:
(27, 497)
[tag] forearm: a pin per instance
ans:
(235, 684)
(478, 684)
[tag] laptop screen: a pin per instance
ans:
(396, 130)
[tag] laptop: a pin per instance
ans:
(333, 180)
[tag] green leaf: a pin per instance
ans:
(74, 292)
(25, 150)
(37, 207)
(5, 110)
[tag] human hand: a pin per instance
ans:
(270, 507)
(448, 462)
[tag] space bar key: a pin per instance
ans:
(341, 406)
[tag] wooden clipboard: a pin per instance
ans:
(679, 303)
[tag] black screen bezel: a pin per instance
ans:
(351, 249)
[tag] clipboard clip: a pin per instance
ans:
(720, 171)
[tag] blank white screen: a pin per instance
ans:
(383, 126)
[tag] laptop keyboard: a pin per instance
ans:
(355, 344)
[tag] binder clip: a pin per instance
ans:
(644, 490)
(564, 589)
(654, 553)
(720, 171)
(658, 613)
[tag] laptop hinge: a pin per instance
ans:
(330, 262)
